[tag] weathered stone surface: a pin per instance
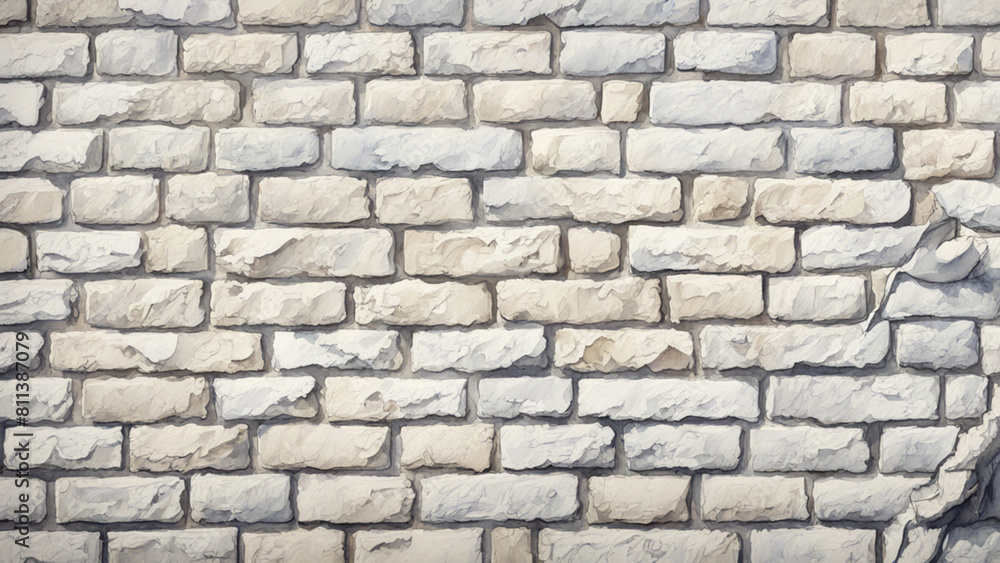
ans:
(910, 449)
(597, 53)
(832, 399)
(668, 399)
(144, 52)
(713, 102)
(965, 396)
(159, 147)
(69, 447)
(623, 350)
(64, 150)
(507, 101)
(188, 447)
(846, 149)
(711, 249)
(118, 499)
(637, 500)
(258, 148)
(570, 445)
(413, 302)
(831, 55)
(738, 52)
(579, 301)
(955, 12)
(531, 396)
(265, 398)
(990, 337)
(20, 102)
(115, 200)
(491, 251)
(63, 13)
(463, 447)
(303, 101)
(511, 545)
(51, 398)
(780, 12)
(208, 197)
(642, 546)
(719, 198)
(100, 350)
(819, 544)
(487, 52)
(700, 296)
(478, 350)
(837, 247)
(174, 248)
(12, 492)
(578, 149)
(175, 101)
(897, 15)
(215, 545)
(410, 13)
(323, 199)
(928, 54)
(592, 200)
(182, 12)
(937, 344)
(11, 343)
(418, 102)
(30, 200)
(445, 148)
(816, 298)
(990, 54)
(898, 102)
(369, 398)
(934, 153)
(359, 52)
(971, 202)
(423, 201)
(25, 301)
(571, 13)
(784, 347)
(144, 303)
(731, 498)
(318, 544)
(44, 54)
(297, 12)
(458, 546)
(802, 448)
(143, 399)
(13, 11)
(463, 498)
(867, 499)
(313, 303)
(241, 498)
(76, 252)
(354, 499)
(593, 251)
(66, 547)
(681, 447)
(342, 349)
(295, 446)
(282, 253)
(621, 101)
(861, 202)
(15, 256)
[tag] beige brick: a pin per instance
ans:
(263, 53)
(144, 399)
(489, 251)
(898, 102)
(414, 302)
(579, 301)
(462, 447)
(593, 251)
(637, 500)
(694, 297)
(420, 101)
(831, 55)
(423, 201)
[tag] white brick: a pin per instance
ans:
(478, 350)
(867, 499)
(862, 202)
(637, 500)
(15, 256)
(359, 52)
(499, 497)
(604, 544)
(188, 447)
(577, 149)
(449, 149)
(487, 52)
(756, 12)
(572, 13)
(711, 249)
(965, 395)
(420, 101)
(847, 399)
(668, 399)
(625, 349)
(30, 200)
(283, 253)
(293, 446)
(621, 101)
(174, 248)
(564, 445)
(898, 102)
(68, 447)
(143, 303)
(912, 449)
(507, 101)
(20, 103)
(84, 547)
(297, 12)
(423, 201)
(976, 102)
(44, 54)
(804, 448)
(76, 252)
(454, 546)
(143, 52)
(152, 352)
(182, 12)
(303, 101)
(413, 13)
(956, 12)
(414, 302)
(579, 301)
(597, 53)
(300, 304)
(490, 251)
(318, 199)
(173, 101)
(816, 298)
(25, 301)
(159, 147)
(820, 544)
(354, 499)
(262, 53)
(662, 446)
(463, 447)
(118, 499)
(693, 102)
(831, 55)
(532, 396)
(173, 545)
(342, 349)
(593, 251)
(845, 149)
(897, 14)
(777, 348)
(928, 54)
(318, 544)
(63, 150)
(737, 52)
(708, 150)
(115, 200)
(241, 498)
(370, 398)
(208, 198)
(934, 153)
(697, 296)
(143, 399)
(731, 498)
(51, 398)
(257, 148)
(270, 396)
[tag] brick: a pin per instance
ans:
(423, 201)
(293, 446)
(928, 54)
(354, 499)
(498, 497)
(698, 296)
(383, 546)
(159, 147)
(507, 101)
(898, 14)
(359, 52)
(174, 248)
(937, 344)
(343, 349)
(667, 399)
(51, 399)
(21, 102)
(75, 252)
(282, 253)
(418, 102)
(593, 251)
(621, 101)
(565, 445)
(862, 202)
(118, 499)
(955, 13)
(218, 544)
(715, 249)
(241, 498)
(975, 102)
(143, 399)
(115, 200)
(323, 199)
(580, 149)
(52, 546)
(814, 543)
(935, 153)
(990, 337)
(741, 102)
(188, 447)
(449, 149)
(25, 301)
(868, 499)
(461, 447)
(44, 54)
(597, 53)
(262, 53)
(143, 303)
(410, 13)
(11, 343)
(592, 200)
(414, 302)
(816, 298)
(478, 350)
(847, 149)
(804, 448)
(708, 150)
(965, 396)
(898, 102)
(603, 544)
(720, 198)
(831, 55)
(64, 150)
(64, 13)
(14, 11)
(637, 500)
(208, 198)
(487, 52)
(915, 449)
(737, 52)
(482, 251)
(303, 101)
(150, 352)
(140, 52)
(532, 396)
(15, 256)
(177, 101)
(511, 545)
(990, 54)
(844, 399)
(257, 148)
(731, 498)
(13, 509)
(662, 446)
(587, 13)
(318, 544)
(781, 12)
(579, 301)
(776, 348)
(262, 398)
(186, 12)
(370, 399)
(840, 247)
(260, 303)
(69, 447)
(625, 349)
(297, 12)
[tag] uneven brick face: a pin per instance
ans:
(605, 280)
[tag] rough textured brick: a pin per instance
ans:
(491, 251)
(668, 399)
(297, 12)
(343, 349)
(565, 445)
(593, 251)
(447, 149)
(582, 199)
(183, 12)
(783, 347)
(256, 149)
(12, 508)
(238, 304)
(756, 12)
(51, 398)
(43, 55)
(291, 446)
(581, 149)
(928, 54)
(487, 52)
(462, 447)
(423, 201)
(833, 399)
(722, 249)
(915, 449)
(817, 298)
(118, 200)
(579, 301)
(150, 52)
(159, 147)
(66, 150)
(459, 545)
(75, 252)
(359, 52)
(802, 448)
(208, 198)
(596, 53)
(282, 253)
(215, 544)
(529, 100)
(478, 350)
(25, 301)
(965, 396)
(53, 546)
(623, 350)
(413, 302)
(597, 544)
(118, 499)
(898, 102)
(143, 399)
(30, 200)
(20, 103)
(621, 101)
(265, 397)
(730, 498)
(736, 52)
(354, 498)
(511, 545)
(188, 447)
(14, 11)
(143, 303)
(740, 102)
(716, 150)
(937, 344)
(303, 101)
(318, 544)
(863, 202)
(263, 53)
(693, 447)
(176, 101)
(100, 350)
(848, 149)
(941, 152)
(533, 396)
(837, 247)
(324, 199)
(873, 499)
(831, 55)
(814, 543)
(241, 498)
(410, 13)
(570, 13)
(956, 12)
(975, 102)
(463, 498)
(420, 101)
(176, 249)
(69, 447)
(15, 256)
(366, 398)
(638, 500)
(897, 14)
